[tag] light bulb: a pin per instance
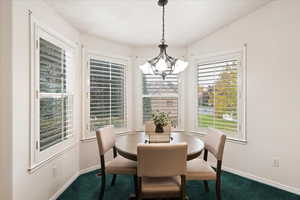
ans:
(161, 65)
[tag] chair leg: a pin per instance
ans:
(113, 181)
(103, 177)
(206, 186)
(138, 188)
(218, 189)
(183, 188)
(135, 180)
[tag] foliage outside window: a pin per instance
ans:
(218, 96)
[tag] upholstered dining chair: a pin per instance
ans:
(119, 165)
(199, 169)
(161, 170)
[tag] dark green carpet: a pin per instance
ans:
(86, 187)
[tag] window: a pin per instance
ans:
(220, 92)
(52, 108)
(107, 93)
(162, 95)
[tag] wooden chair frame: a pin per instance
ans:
(103, 175)
(218, 176)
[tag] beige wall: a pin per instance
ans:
(272, 34)
(44, 182)
(5, 100)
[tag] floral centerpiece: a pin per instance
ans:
(160, 119)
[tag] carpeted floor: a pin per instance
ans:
(234, 187)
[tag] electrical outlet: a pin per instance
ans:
(276, 162)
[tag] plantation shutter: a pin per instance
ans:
(218, 95)
(107, 94)
(160, 95)
(55, 105)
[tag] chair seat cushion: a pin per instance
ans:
(160, 185)
(121, 165)
(199, 169)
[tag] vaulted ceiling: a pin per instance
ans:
(138, 22)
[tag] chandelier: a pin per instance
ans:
(163, 64)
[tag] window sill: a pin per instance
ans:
(39, 165)
(175, 130)
(230, 139)
(93, 138)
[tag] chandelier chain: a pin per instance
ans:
(163, 64)
(163, 24)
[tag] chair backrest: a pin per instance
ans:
(214, 143)
(106, 139)
(149, 127)
(161, 160)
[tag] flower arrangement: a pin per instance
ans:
(160, 119)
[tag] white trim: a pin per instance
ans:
(241, 55)
(260, 179)
(37, 166)
(87, 55)
(37, 158)
(181, 102)
(83, 93)
(227, 169)
(93, 138)
(52, 31)
(230, 139)
(89, 169)
(233, 171)
(65, 186)
(72, 179)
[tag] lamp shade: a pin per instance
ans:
(163, 64)
(180, 66)
(146, 68)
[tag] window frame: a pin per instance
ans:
(240, 55)
(39, 30)
(140, 96)
(89, 54)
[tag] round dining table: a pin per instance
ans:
(126, 144)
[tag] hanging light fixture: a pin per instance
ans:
(163, 64)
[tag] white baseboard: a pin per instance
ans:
(89, 169)
(227, 169)
(262, 180)
(72, 179)
(259, 179)
(64, 187)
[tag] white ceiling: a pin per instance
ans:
(138, 22)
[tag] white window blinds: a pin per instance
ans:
(107, 95)
(55, 101)
(161, 95)
(218, 95)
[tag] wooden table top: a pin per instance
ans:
(127, 144)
